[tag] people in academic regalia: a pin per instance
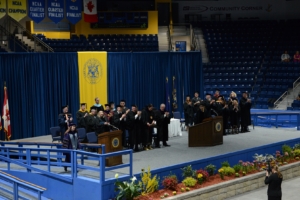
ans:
(107, 113)
(235, 115)
(120, 123)
(81, 115)
(104, 125)
(188, 109)
(202, 113)
(148, 117)
(222, 110)
(98, 105)
(245, 105)
(70, 141)
(216, 95)
(163, 120)
(209, 104)
(64, 119)
(92, 120)
(123, 105)
(134, 123)
(196, 100)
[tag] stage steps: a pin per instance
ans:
(199, 34)
(288, 100)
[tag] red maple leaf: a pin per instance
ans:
(90, 6)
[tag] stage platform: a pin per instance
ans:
(179, 152)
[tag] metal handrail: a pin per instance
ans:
(16, 183)
(10, 36)
(294, 84)
(194, 40)
(35, 38)
(285, 93)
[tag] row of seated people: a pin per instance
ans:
(285, 57)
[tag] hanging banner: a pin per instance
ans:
(55, 10)
(17, 9)
(73, 10)
(36, 10)
(92, 71)
(90, 11)
(2, 8)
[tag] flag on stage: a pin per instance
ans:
(174, 94)
(6, 116)
(92, 70)
(90, 11)
(168, 104)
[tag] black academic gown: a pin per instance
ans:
(121, 125)
(196, 106)
(134, 123)
(63, 124)
(235, 116)
(162, 127)
(188, 113)
(92, 123)
(200, 116)
(147, 117)
(245, 112)
(101, 128)
(81, 122)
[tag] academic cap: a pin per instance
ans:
(202, 103)
(118, 106)
(218, 90)
(207, 94)
(82, 104)
(245, 92)
(63, 107)
(133, 105)
(106, 105)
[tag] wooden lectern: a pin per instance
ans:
(113, 143)
(207, 133)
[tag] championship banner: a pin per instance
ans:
(55, 10)
(73, 10)
(17, 9)
(36, 10)
(2, 8)
(92, 70)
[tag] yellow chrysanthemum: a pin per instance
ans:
(221, 170)
(200, 176)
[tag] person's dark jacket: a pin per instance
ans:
(274, 185)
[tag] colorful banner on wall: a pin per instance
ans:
(90, 11)
(17, 9)
(73, 10)
(36, 10)
(55, 10)
(92, 70)
(2, 8)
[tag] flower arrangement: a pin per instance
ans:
(228, 171)
(204, 174)
(237, 168)
(170, 182)
(174, 192)
(148, 184)
(221, 172)
(127, 190)
(189, 182)
(210, 169)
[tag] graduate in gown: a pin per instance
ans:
(245, 105)
(120, 123)
(163, 120)
(64, 119)
(202, 113)
(81, 116)
(234, 115)
(70, 141)
(188, 109)
(148, 117)
(92, 120)
(134, 123)
(104, 125)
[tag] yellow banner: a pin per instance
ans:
(2, 8)
(92, 70)
(17, 9)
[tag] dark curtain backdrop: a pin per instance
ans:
(140, 77)
(38, 84)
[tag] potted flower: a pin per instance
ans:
(221, 172)
(210, 169)
(127, 189)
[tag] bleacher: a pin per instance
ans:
(245, 55)
(110, 43)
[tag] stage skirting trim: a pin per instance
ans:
(92, 71)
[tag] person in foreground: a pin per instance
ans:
(274, 181)
(70, 142)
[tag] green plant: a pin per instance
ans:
(188, 171)
(189, 182)
(237, 168)
(148, 184)
(296, 152)
(228, 171)
(225, 164)
(237, 175)
(221, 172)
(297, 146)
(210, 169)
(127, 190)
(286, 148)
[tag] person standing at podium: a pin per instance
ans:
(92, 120)
(148, 117)
(81, 115)
(64, 119)
(104, 125)
(120, 122)
(163, 120)
(245, 105)
(202, 113)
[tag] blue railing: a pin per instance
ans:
(53, 158)
(17, 183)
(276, 118)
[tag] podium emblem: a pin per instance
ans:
(218, 126)
(115, 142)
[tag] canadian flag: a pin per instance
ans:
(90, 11)
(6, 116)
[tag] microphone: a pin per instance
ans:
(113, 126)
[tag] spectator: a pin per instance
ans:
(285, 57)
(298, 97)
(297, 57)
(274, 181)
